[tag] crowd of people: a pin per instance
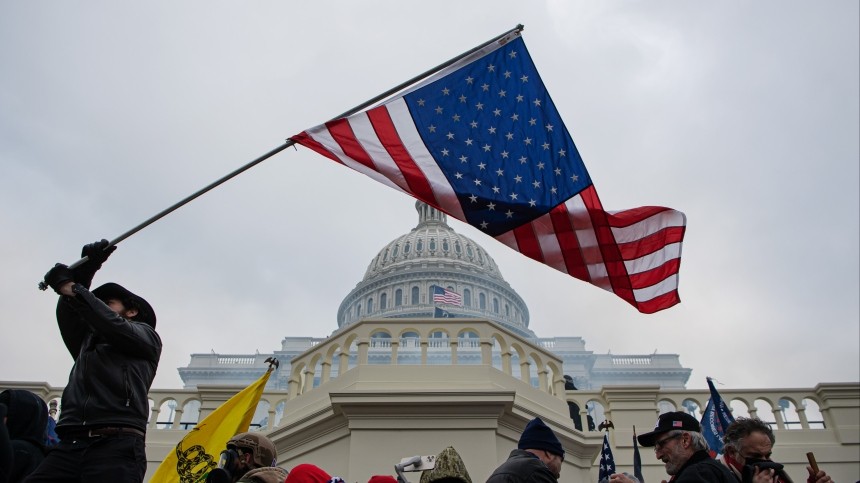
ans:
(110, 334)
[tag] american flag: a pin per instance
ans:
(607, 462)
(483, 142)
(445, 296)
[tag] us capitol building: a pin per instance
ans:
(398, 285)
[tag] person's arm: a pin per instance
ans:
(73, 328)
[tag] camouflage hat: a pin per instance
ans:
(260, 446)
(449, 466)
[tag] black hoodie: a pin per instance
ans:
(26, 423)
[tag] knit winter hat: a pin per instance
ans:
(449, 467)
(382, 479)
(307, 473)
(537, 435)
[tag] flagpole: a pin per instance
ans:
(288, 143)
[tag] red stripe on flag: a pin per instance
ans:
(390, 139)
(634, 215)
(527, 242)
(343, 134)
(655, 275)
(569, 243)
(652, 243)
(618, 276)
(305, 140)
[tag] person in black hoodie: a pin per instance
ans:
(26, 416)
(110, 333)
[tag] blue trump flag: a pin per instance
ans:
(482, 141)
(715, 419)
(607, 462)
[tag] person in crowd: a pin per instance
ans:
(538, 457)
(748, 444)
(26, 421)
(249, 457)
(308, 473)
(382, 479)
(678, 442)
(110, 334)
(449, 468)
(620, 478)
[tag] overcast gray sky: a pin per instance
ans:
(743, 115)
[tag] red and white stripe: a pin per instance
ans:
(633, 253)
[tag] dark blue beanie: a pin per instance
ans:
(537, 435)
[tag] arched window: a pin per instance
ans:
(432, 244)
(482, 301)
(419, 245)
(396, 251)
(507, 310)
(414, 295)
(467, 297)
(445, 245)
(457, 248)
(383, 301)
(398, 298)
(495, 305)
(407, 247)
(369, 306)
(358, 310)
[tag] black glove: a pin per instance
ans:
(96, 251)
(58, 275)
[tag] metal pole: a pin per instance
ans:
(288, 143)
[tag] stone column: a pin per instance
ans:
(525, 373)
(424, 344)
(362, 351)
(453, 343)
(326, 371)
(506, 363)
(395, 345)
(487, 352)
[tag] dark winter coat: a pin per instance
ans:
(26, 422)
(520, 467)
(702, 468)
(115, 363)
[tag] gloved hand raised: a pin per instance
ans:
(59, 276)
(96, 252)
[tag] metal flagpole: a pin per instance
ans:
(288, 143)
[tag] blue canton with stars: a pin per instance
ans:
(607, 462)
(496, 134)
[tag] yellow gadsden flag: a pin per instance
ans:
(197, 454)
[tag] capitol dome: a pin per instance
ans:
(400, 279)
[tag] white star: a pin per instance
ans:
(536, 102)
(462, 98)
(509, 135)
(557, 171)
(473, 198)
(485, 87)
(432, 128)
(492, 130)
(513, 54)
(491, 206)
(469, 142)
(561, 152)
(500, 171)
(421, 102)
(518, 178)
(549, 127)
(444, 152)
(487, 147)
(456, 117)
(496, 189)
(523, 160)
(553, 190)
(574, 178)
(438, 109)
(477, 182)
(507, 74)
(528, 141)
(473, 124)
(482, 166)
(458, 175)
(536, 184)
(484, 225)
(450, 135)
(524, 78)
(505, 154)
(532, 121)
(502, 93)
(497, 111)
(491, 68)
(540, 165)
(463, 158)
(545, 145)
(532, 203)
(510, 214)
(520, 98)
(513, 196)
(470, 80)
(515, 117)
(445, 91)
(480, 106)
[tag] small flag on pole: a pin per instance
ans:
(445, 296)
(440, 313)
(607, 462)
(637, 460)
(715, 419)
(197, 453)
(482, 141)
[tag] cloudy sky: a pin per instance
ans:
(743, 115)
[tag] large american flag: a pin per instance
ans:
(483, 142)
(445, 296)
(607, 462)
